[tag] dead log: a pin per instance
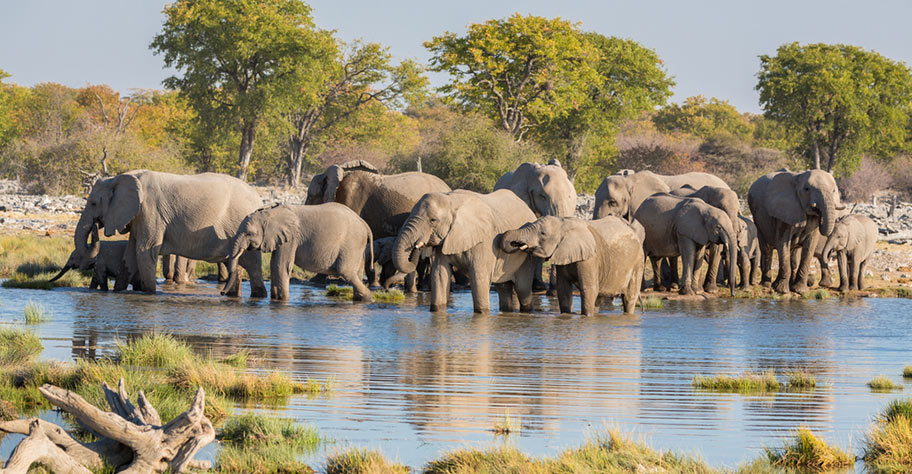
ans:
(131, 438)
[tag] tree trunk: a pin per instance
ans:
(816, 155)
(296, 161)
(248, 135)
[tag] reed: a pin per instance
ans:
(362, 461)
(808, 452)
(744, 383)
(883, 383)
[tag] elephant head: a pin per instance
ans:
(722, 198)
(838, 240)
(562, 240)
(612, 198)
(549, 190)
(323, 186)
(112, 205)
(82, 261)
(263, 230)
(705, 224)
(793, 197)
(454, 222)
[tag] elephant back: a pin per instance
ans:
(510, 212)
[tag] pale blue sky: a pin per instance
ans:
(710, 47)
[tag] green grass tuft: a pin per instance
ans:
(883, 383)
(254, 443)
(341, 292)
(314, 387)
(389, 296)
(799, 380)
(907, 371)
(155, 350)
(508, 425)
(18, 346)
(238, 359)
(818, 294)
(362, 461)
(888, 445)
(807, 451)
(652, 302)
(35, 313)
(744, 383)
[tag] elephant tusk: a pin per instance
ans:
(418, 245)
(523, 247)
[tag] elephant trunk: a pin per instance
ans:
(407, 247)
(828, 248)
(63, 270)
(94, 247)
(237, 248)
(85, 226)
(731, 250)
(826, 207)
(514, 240)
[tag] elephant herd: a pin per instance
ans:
(420, 231)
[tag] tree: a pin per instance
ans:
(521, 72)
(361, 74)
(111, 116)
(838, 101)
(240, 59)
(704, 118)
(630, 80)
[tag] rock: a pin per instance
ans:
(885, 277)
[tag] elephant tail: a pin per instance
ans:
(369, 251)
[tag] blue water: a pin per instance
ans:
(415, 384)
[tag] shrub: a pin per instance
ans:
(888, 445)
(807, 451)
(155, 350)
(18, 346)
(362, 461)
(34, 313)
(883, 383)
(259, 444)
(870, 178)
(747, 382)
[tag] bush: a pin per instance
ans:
(362, 461)
(807, 451)
(18, 346)
(869, 179)
(888, 446)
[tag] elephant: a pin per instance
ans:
(853, 239)
(463, 227)
(748, 252)
(788, 208)
(683, 226)
(323, 186)
(546, 189)
(622, 193)
(176, 269)
(105, 258)
(602, 257)
(388, 275)
(325, 238)
(726, 200)
(194, 216)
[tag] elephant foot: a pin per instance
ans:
(800, 288)
(539, 286)
(826, 281)
(687, 291)
(258, 293)
(843, 288)
(438, 308)
(710, 288)
(551, 292)
(766, 283)
(781, 286)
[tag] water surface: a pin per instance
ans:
(415, 384)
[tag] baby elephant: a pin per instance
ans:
(853, 240)
(105, 258)
(603, 258)
(325, 238)
(748, 252)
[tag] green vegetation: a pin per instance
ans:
(807, 451)
(799, 380)
(389, 296)
(155, 350)
(907, 371)
(744, 383)
(18, 346)
(837, 101)
(817, 294)
(888, 446)
(362, 461)
(35, 313)
(652, 302)
(882, 382)
(29, 261)
(341, 292)
(238, 359)
(508, 425)
(258, 444)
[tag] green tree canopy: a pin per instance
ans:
(704, 118)
(240, 59)
(521, 72)
(837, 101)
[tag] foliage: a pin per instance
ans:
(888, 445)
(18, 346)
(362, 461)
(837, 101)
(704, 118)
(747, 382)
(389, 296)
(240, 60)
(799, 380)
(883, 383)
(341, 292)
(738, 163)
(807, 451)
(257, 444)
(466, 151)
(907, 371)
(155, 350)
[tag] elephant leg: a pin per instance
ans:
(180, 270)
(783, 242)
(222, 272)
(712, 270)
(506, 297)
(688, 251)
(673, 278)
(411, 282)
(588, 287)
(360, 291)
(855, 269)
(656, 273)
(744, 265)
(552, 281)
(146, 260)
(537, 283)
(698, 264)
(843, 271)
(441, 273)
(94, 282)
(565, 290)
(766, 264)
(481, 290)
(754, 267)
(167, 262)
(807, 253)
(632, 295)
(373, 276)
(862, 268)
(253, 263)
(826, 276)
(522, 285)
(280, 267)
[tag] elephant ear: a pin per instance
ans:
(280, 226)
(690, 221)
(577, 243)
(473, 221)
(782, 201)
(124, 205)
(334, 175)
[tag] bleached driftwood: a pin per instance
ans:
(131, 438)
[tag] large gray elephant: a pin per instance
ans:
(325, 238)
(602, 257)
(726, 200)
(323, 186)
(104, 258)
(622, 193)
(853, 239)
(462, 228)
(678, 226)
(788, 208)
(193, 216)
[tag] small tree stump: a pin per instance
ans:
(131, 438)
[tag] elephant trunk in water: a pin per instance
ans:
(407, 248)
(85, 227)
(63, 270)
(731, 250)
